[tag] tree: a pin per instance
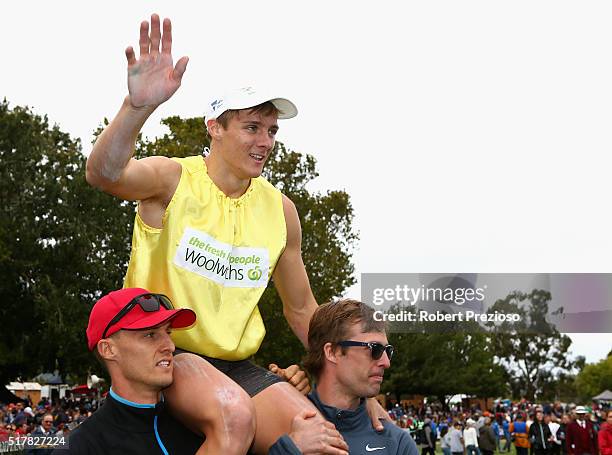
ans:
(58, 250)
(595, 378)
(559, 387)
(444, 364)
(533, 351)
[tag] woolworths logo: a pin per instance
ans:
(226, 264)
(254, 274)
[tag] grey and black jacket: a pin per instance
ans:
(356, 429)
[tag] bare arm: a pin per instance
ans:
(291, 280)
(299, 304)
(152, 79)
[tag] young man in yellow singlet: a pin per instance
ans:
(209, 233)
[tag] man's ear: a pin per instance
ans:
(214, 129)
(107, 349)
(330, 353)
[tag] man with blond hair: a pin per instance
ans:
(210, 233)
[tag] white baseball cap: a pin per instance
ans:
(246, 97)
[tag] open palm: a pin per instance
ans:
(152, 79)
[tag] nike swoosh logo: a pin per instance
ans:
(372, 449)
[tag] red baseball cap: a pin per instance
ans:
(112, 303)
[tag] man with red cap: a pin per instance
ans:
(129, 332)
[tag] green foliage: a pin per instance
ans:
(595, 378)
(534, 353)
(444, 364)
(187, 137)
(61, 244)
(530, 359)
(560, 387)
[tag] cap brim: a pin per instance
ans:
(179, 319)
(287, 108)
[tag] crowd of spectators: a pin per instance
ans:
(532, 429)
(44, 419)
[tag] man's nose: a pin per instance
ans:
(384, 361)
(168, 343)
(265, 139)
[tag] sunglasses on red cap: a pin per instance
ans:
(147, 302)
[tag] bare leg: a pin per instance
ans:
(209, 402)
(275, 407)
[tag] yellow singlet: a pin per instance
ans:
(214, 255)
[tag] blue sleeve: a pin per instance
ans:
(284, 446)
(407, 446)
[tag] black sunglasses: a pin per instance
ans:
(147, 302)
(376, 348)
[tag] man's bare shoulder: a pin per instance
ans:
(292, 220)
(154, 177)
(288, 204)
(161, 164)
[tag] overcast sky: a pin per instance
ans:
(472, 136)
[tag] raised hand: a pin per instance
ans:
(152, 79)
